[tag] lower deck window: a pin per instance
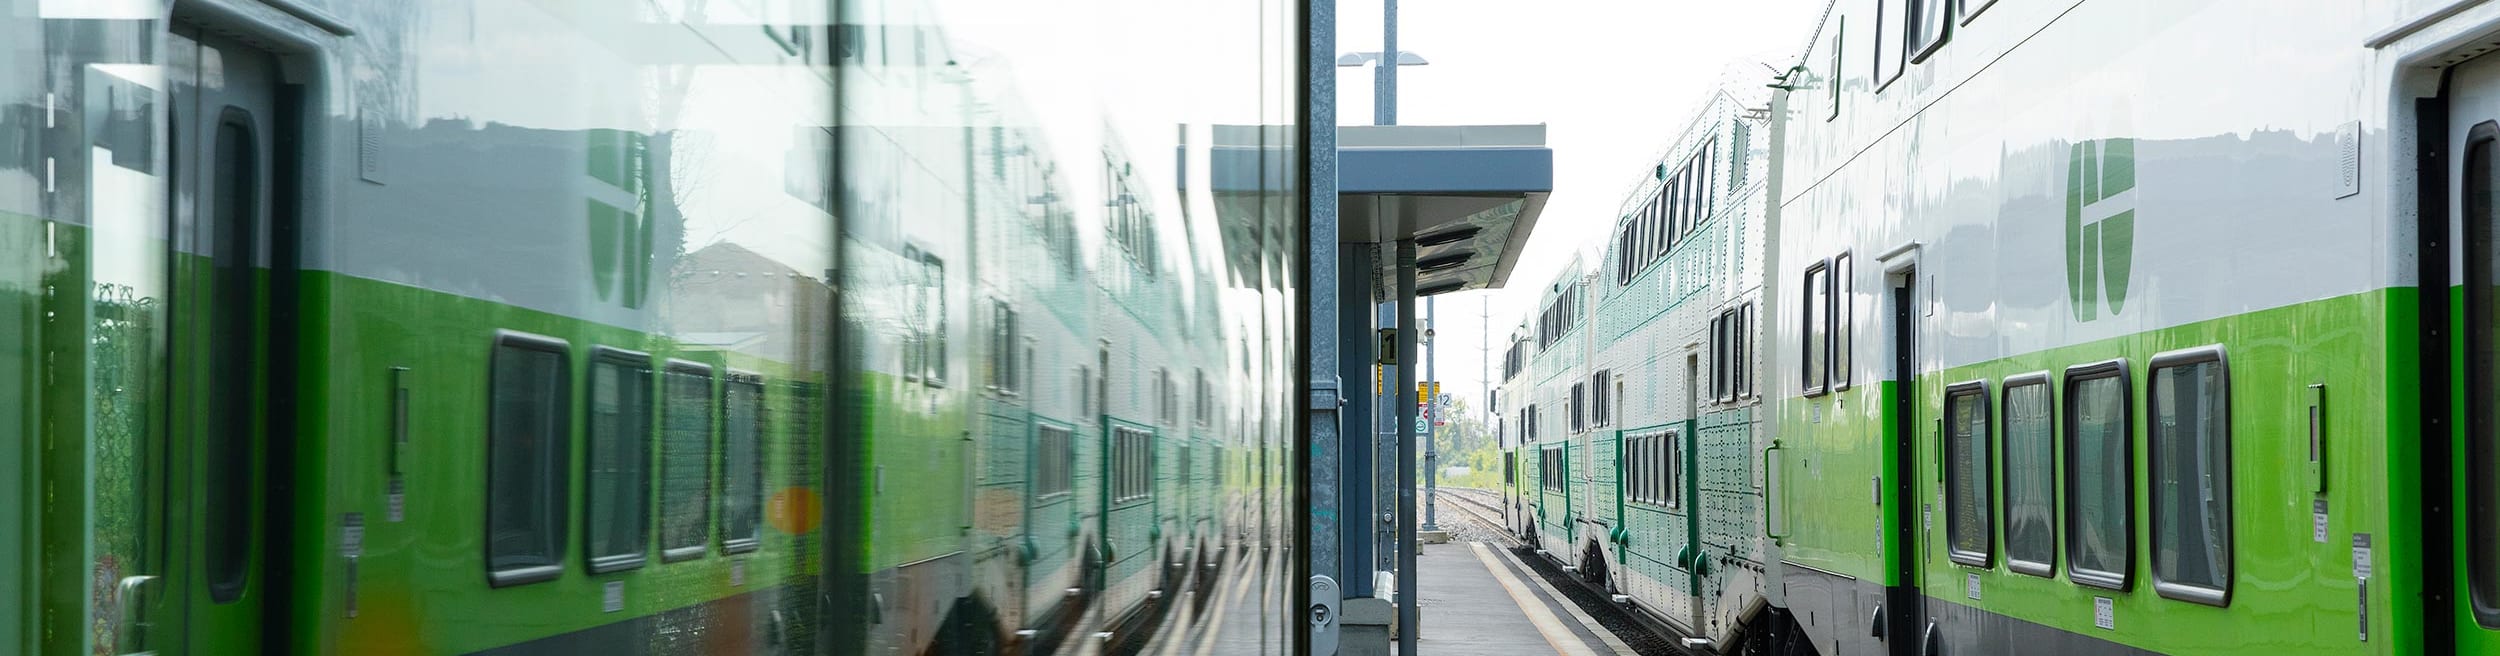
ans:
(742, 463)
(1966, 470)
(1132, 464)
(2030, 476)
(685, 461)
(527, 437)
(2099, 520)
(2188, 417)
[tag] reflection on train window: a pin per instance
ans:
(1132, 464)
(229, 438)
(1579, 408)
(619, 499)
(1550, 469)
(2482, 379)
(1204, 405)
(526, 440)
(685, 460)
(1929, 27)
(742, 463)
(1601, 403)
(1005, 374)
(2188, 418)
(1966, 470)
(1652, 472)
(2030, 480)
(2098, 475)
(933, 321)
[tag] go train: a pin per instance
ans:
(771, 327)
(2075, 327)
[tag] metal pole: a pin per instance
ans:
(1385, 434)
(1432, 425)
(1357, 331)
(1407, 596)
(1385, 84)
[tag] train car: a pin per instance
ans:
(2121, 326)
(453, 327)
(1647, 485)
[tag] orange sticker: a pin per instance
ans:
(794, 510)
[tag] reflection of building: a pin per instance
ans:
(727, 297)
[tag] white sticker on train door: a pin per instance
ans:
(2317, 521)
(2104, 613)
(1973, 586)
(613, 599)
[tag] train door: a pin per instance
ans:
(222, 207)
(2473, 571)
(1904, 606)
(1682, 461)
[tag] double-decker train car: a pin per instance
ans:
(452, 327)
(2105, 326)
(1639, 413)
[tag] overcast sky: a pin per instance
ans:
(1610, 78)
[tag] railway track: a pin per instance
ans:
(1481, 506)
(1644, 635)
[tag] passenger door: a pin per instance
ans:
(2473, 355)
(224, 124)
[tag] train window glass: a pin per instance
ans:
(619, 499)
(1603, 413)
(915, 340)
(2099, 517)
(1966, 471)
(934, 285)
(685, 460)
(1579, 408)
(742, 463)
(1844, 288)
(1744, 352)
(1005, 338)
(1889, 34)
(1205, 396)
(2188, 420)
(1131, 464)
(229, 434)
(1052, 450)
(2030, 479)
(2482, 359)
(1817, 299)
(527, 446)
(1970, 8)
(1671, 464)
(1831, 81)
(1930, 22)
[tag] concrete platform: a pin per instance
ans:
(1478, 600)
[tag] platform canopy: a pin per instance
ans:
(1468, 195)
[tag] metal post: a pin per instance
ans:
(1432, 425)
(1385, 440)
(1361, 340)
(1322, 598)
(1407, 594)
(1385, 83)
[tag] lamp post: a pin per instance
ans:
(1384, 78)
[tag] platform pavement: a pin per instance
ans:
(1477, 602)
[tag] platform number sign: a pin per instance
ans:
(2100, 225)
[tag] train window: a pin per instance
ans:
(1205, 405)
(742, 463)
(1723, 356)
(526, 440)
(933, 284)
(1889, 36)
(1171, 397)
(2482, 360)
(2099, 465)
(1053, 455)
(1671, 472)
(685, 469)
(915, 349)
(228, 438)
(2030, 480)
(1550, 469)
(1929, 27)
(1840, 28)
(619, 500)
(1818, 298)
(1006, 337)
(1744, 352)
(2188, 418)
(1971, 8)
(1602, 411)
(1966, 470)
(1579, 408)
(1843, 310)
(1132, 464)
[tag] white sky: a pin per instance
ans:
(1612, 80)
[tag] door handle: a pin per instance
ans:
(130, 629)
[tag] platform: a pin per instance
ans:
(1479, 600)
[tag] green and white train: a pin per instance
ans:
(2101, 326)
(559, 327)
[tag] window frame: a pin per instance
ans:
(1814, 369)
(2005, 475)
(634, 363)
(754, 539)
(1973, 391)
(1889, 69)
(1839, 358)
(2181, 591)
(558, 485)
(1915, 16)
(2111, 580)
(1579, 407)
(1840, 50)
(711, 452)
(1969, 12)
(1671, 468)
